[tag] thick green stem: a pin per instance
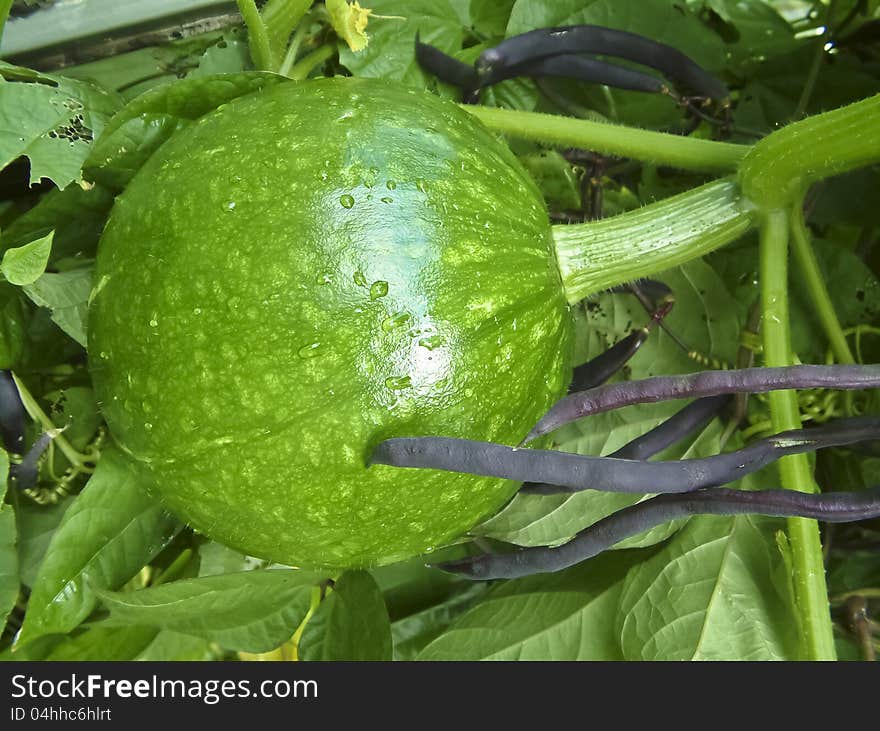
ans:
(815, 284)
(600, 254)
(5, 7)
(686, 153)
(307, 64)
(811, 593)
(280, 17)
(781, 166)
(258, 37)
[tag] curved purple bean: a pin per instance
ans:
(593, 39)
(692, 417)
(574, 472)
(12, 421)
(580, 68)
(836, 507)
(446, 68)
(703, 383)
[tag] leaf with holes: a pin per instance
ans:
(52, 121)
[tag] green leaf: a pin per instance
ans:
(36, 526)
(112, 529)
(752, 30)
(76, 215)
(215, 558)
(76, 411)
(176, 647)
(66, 294)
(556, 177)
(143, 124)
(423, 602)
(9, 565)
(716, 591)
(107, 644)
(569, 615)
(25, 264)
(9, 574)
(253, 611)
(53, 121)
(391, 51)
(12, 327)
(229, 56)
(352, 623)
(490, 17)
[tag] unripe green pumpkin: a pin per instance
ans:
(309, 270)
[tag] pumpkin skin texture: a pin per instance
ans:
(309, 270)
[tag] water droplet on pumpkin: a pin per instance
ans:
(197, 311)
(148, 426)
(324, 278)
(230, 206)
(434, 341)
(378, 289)
(395, 321)
(387, 199)
(391, 184)
(154, 322)
(346, 201)
(359, 279)
(312, 350)
(397, 383)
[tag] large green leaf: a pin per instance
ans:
(253, 611)
(103, 643)
(108, 534)
(569, 615)
(12, 325)
(9, 570)
(36, 526)
(716, 591)
(9, 573)
(751, 29)
(52, 120)
(423, 602)
(351, 623)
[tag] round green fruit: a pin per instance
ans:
(307, 271)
